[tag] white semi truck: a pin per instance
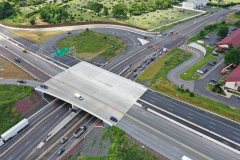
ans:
(13, 131)
(79, 131)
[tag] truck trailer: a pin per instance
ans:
(79, 131)
(14, 130)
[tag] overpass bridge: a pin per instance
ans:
(105, 94)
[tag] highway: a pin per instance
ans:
(56, 114)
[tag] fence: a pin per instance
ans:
(70, 24)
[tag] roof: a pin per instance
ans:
(233, 38)
(234, 76)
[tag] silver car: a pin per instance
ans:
(64, 140)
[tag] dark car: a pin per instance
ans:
(21, 81)
(204, 70)
(135, 75)
(211, 12)
(144, 61)
(212, 62)
(60, 151)
(219, 39)
(153, 58)
(69, 32)
(148, 62)
(17, 59)
(214, 54)
(234, 29)
(135, 70)
(113, 119)
(64, 140)
(164, 34)
(214, 80)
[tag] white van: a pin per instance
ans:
(78, 96)
(185, 158)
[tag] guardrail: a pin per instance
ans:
(70, 24)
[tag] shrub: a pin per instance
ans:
(187, 90)
(87, 29)
(191, 94)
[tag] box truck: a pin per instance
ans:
(14, 130)
(79, 131)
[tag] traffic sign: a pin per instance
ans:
(62, 52)
(38, 39)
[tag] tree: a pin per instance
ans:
(223, 31)
(32, 21)
(233, 56)
(55, 1)
(135, 8)
(230, 46)
(97, 7)
(151, 5)
(223, 22)
(90, 5)
(143, 6)
(54, 14)
(202, 33)
(119, 10)
(238, 46)
(237, 24)
(159, 3)
(105, 11)
(6, 10)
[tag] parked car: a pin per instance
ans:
(113, 119)
(64, 140)
(17, 59)
(164, 34)
(60, 151)
(21, 81)
(214, 54)
(202, 70)
(212, 44)
(234, 29)
(212, 62)
(219, 39)
(44, 86)
(206, 37)
(214, 80)
(135, 70)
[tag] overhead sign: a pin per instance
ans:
(62, 52)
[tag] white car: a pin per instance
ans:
(199, 71)
(206, 37)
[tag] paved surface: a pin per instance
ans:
(14, 81)
(25, 143)
(221, 126)
(164, 145)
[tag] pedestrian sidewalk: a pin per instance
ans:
(228, 95)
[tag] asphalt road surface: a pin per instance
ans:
(26, 143)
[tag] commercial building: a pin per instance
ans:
(194, 4)
(232, 38)
(232, 82)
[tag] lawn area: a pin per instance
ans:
(90, 44)
(34, 36)
(187, 75)
(12, 71)
(233, 16)
(161, 84)
(122, 147)
(9, 95)
(215, 88)
(167, 62)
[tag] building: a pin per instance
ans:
(233, 38)
(194, 4)
(232, 82)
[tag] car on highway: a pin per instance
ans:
(142, 67)
(135, 70)
(164, 34)
(148, 62)
(139, 66)
(214, 54)
(149, 56)
(113, 119)
(214, 80)
(154, 54)
(60, 151)
(69, 32)
(5, 46)
(212, 62)
(206, 37)
(135, 75)
(153, 58)
(64, 140)
(202, 70)
(44, 86)
(17, 59)
(21, 81)
(145, 61)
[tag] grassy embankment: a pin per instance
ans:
(187, 75)
(122, 147)
(34, 36)
(90, 44)
(233, 16)
(9, 95)
(161, 84)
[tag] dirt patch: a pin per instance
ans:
(28, 102)
(40, 21)
(13, 72)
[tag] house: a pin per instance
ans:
(232, 82)
(233, 38)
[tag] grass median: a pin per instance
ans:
(161, 84)
(9, 95)
(232, 16)
(188, 74)
(34, 36)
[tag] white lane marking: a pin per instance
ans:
(27, 142)
(43, 128)
(56, 116)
